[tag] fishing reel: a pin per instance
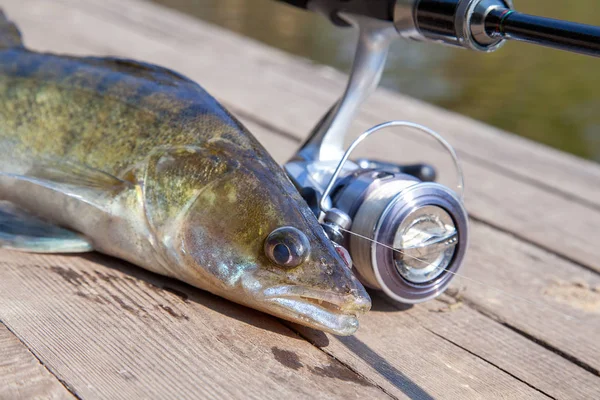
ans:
(406, 234)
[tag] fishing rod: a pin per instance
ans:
(406, 234)
(481, 25)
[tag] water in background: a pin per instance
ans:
(547, 95)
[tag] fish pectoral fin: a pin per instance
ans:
(22, 231)
(52, 182)
(76, 175)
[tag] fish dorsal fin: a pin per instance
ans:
(10, 36)
(22, 231)
(141, 69)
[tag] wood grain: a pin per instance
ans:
(113, 331)
(535, 292)
(498, 345)
(268, 86)
(21, 374)
(397, 333)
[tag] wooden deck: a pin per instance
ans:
(93, 327)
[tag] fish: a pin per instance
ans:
(139, 162)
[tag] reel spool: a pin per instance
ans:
(417, 235)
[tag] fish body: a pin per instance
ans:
(139, 162)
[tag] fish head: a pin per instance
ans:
(250, 237)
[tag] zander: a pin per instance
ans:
(139, 162)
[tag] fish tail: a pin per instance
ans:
(10, 36)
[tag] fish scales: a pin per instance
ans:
(139, 162)
(95, 110)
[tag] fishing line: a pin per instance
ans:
(516, 297)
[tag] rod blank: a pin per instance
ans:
(548, 32)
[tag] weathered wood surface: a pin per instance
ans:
(110, 330)
(21, 374)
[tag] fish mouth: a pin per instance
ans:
(326, 311)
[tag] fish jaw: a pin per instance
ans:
(323, 310)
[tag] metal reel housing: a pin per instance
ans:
(379, 203)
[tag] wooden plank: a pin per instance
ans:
(541, 368)
(504, 200)
(541, 294)
(111, 330)
(395, 350)
(399, 333)
(21, 374)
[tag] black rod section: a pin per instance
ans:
(549, 32)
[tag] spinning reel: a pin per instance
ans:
(406, 234)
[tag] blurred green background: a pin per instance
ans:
(546, 95)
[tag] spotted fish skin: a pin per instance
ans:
(150, 168)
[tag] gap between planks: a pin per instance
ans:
(23, 375)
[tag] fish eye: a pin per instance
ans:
(287, 247)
